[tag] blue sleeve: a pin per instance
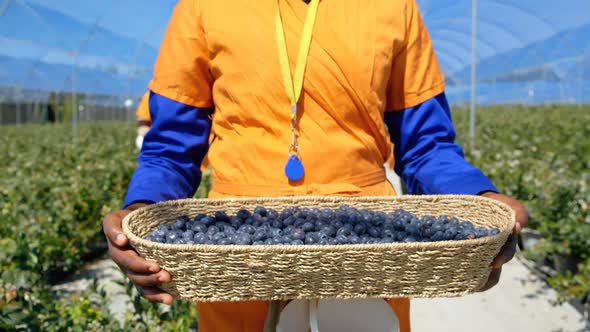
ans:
(426, 155)
(171, 154)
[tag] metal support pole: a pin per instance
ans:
(18, 119)
(74, 104)
(473, 74)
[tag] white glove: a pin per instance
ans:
(141, 131)
(139, 142)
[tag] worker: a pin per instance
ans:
(299, 92)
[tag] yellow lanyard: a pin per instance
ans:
(294, 168)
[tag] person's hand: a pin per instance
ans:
(144, 274)
(509, 249)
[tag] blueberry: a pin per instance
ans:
(409, 239)
(289, 221)
(338, 224)
(159, 239)
(311, 238)
(449, 234)
(341, 239)
(272, 214)
(180, 241)
(298, 223)
(224, 242)
(285, 239)
(332, 241)
(180, 223)
(259, 235)
(315, 212)
(388, 234)
(247, 229)
(274, 232)
(243, 214)
(199, 228)
(221, 226)
(413, 229)
(427, 232)
(298, 234)
(327, 214)
(301, 213)
(190, 242)
(235, 222)
(344, 231)
(256, 217)
(468, 224)
(200, 238)
(318, 225)
(277, 240)
(494, 231)
(244, 239)
(460, 236)
(276, 224)
(261, 211)
(344, 217)
(438, 236)
(297, 242)
(172, 236)
(218, 236)
(308, 227)
(250, 221)
(288, 230)
(329, 230)
(378, 218)
(159, 233)
(221, 216)
(374, 232)
(481, 232)
(366, 216)
(443, 219)
(360, 228)
(209, 242)
(212, 230)
(188, 235)
(258, 243)
(323, 236)
(207, 221)
(199, 217)
(323, 242)
(437, 227)
(268, 242)
(232, 237)
(353, 239)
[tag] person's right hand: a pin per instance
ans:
(146, 275)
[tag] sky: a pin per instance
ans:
(119, 39)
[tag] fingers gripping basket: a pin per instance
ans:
(208, 273)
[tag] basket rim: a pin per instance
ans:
(418, 246)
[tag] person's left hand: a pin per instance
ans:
(509, 249)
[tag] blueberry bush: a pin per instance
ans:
(540, 155)
(54, 193)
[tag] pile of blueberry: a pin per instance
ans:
(297, 226)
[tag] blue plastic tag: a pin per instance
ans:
(294, 168)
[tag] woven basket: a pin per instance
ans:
(209, 273)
